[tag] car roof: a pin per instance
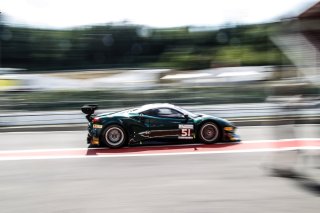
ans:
(156, 105)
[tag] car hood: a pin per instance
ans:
(221, 121)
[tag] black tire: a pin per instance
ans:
(209, 133)
(114, 136)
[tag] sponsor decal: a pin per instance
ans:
(145, 134)
(182, 137)
(97, 126)
(186, 131)
(185, 126)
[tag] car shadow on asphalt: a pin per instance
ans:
(157, 147)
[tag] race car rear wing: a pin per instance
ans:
(89, 110)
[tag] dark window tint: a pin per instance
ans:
(149, 112)
(168, 113)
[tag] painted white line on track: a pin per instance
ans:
(158, 154)
(49, 150)
(43, 132)
(281, 140)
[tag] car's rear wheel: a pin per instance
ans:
(114, 136)
(209, 133)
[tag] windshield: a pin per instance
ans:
(185, 112)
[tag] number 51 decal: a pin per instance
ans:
(186, 131)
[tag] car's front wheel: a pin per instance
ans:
(114, 136)
(209, 133)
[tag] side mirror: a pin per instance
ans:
(186, 116)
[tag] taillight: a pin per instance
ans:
(96, 120)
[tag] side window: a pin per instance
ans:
(167, 113)
(149, 112)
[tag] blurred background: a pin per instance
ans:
(253, 62)
(57, 56)
(55, 60)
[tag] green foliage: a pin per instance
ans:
(185, 60)
(133, 46)
(247, 55)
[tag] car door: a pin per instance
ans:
(169, 123)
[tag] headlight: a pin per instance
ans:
(229, 128)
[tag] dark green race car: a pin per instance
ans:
(155, 122)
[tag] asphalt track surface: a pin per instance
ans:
(147, 181)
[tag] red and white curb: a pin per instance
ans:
(188, 149)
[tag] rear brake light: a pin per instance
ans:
(96, 120)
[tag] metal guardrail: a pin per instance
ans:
(234, 111)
